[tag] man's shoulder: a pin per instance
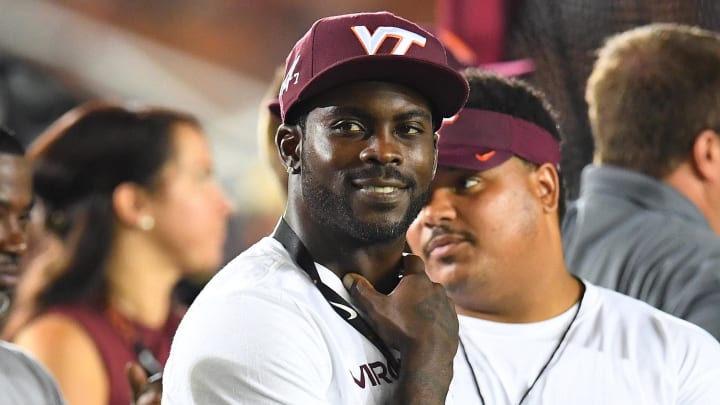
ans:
(635, 317)
(12, 356)
(266, 265)
(602, 247)
(13, 353)
(21, 376)
(620, 203)
(262, 280)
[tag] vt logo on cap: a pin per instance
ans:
(372, 43)
(379, 46)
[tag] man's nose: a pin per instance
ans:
(439, 209)
(383, 148)
(13, 235)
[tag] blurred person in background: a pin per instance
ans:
(268, 122)
(22, 379)
(16, 200)
(132, 195)
(42, 261)
(648, 217)
(32, 96)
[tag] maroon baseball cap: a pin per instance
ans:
(371, 46)
(481, 139)
(274, 107)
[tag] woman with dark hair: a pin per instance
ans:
(131, 194)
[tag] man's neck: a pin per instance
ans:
(700, 192)
(541, 301)
(342, 254)
(140, 281)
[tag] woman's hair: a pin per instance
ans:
(78, 163)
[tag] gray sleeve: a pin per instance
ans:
(25, 381)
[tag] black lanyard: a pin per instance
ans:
(299, 253)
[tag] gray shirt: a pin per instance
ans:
(641, 237)
(23, 381)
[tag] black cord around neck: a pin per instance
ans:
(542, 370)
(302, 257)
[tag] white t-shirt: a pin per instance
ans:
(618, 351)
(261, 333)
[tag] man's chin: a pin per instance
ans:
(376, 231)
(382, 226)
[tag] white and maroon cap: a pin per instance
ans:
(371, 46)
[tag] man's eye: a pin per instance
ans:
(348, 126)
(470, 182)
(411, 130)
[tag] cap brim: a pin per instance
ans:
(446, 89)
(467, 158)
(274, 107)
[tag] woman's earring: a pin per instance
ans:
(146, 222)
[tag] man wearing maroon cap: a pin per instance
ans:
(530, 332)
(328, 310)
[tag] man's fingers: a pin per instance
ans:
(361, 290)
(413, 264)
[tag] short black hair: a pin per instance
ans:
(492, 92)
(9, 143)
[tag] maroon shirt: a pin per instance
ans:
(115, 349)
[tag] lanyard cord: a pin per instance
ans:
(299, 253)
(542, 370)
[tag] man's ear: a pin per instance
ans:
(547, 186)
(288, 140)
(130, 204)
(706, 155)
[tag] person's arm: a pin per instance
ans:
(419, 320)
(70, 355)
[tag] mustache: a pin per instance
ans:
(444, 230)
(384, 172)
